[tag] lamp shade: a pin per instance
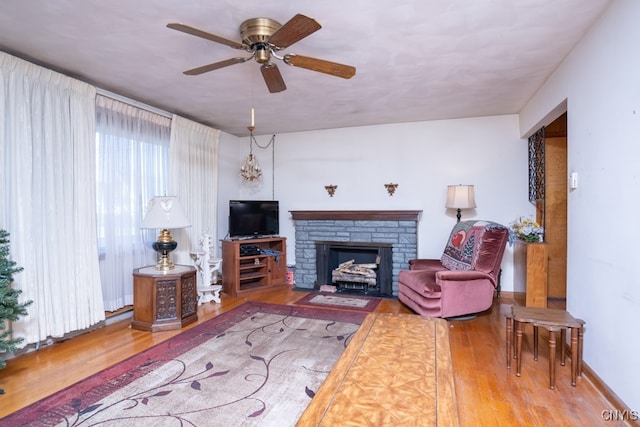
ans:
(165, 213)
(460, 197)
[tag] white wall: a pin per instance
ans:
(423, 158)
(600, 80)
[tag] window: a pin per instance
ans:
(132, 166)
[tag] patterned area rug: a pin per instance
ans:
(350, 302)
(258, 364)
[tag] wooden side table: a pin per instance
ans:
(552, 320)
(164, 301)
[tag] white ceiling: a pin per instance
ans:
(415, 59)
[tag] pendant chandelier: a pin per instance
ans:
(250, 171)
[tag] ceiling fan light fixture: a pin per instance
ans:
(262, 52)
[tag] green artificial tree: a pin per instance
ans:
(10, 308)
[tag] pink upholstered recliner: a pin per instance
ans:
(463, 280)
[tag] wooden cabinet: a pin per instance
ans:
(254, 265)
(548, 190)
(164, 301)
(530, 268)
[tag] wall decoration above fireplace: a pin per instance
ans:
(391, 188)
(331, 189)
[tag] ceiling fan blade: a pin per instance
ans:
(293, 30)
(205, 35)
(272, 77)
(320, 65)
(215, 66)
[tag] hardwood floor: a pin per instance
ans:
(488, 393)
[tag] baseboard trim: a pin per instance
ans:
(124, 313)
(520, 297)
(617, 405)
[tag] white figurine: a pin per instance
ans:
(209, 271)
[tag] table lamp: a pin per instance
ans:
(165, 213)
(460, 197)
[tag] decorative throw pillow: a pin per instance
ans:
(458, 253)
(461, 251)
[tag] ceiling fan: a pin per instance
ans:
(263, 38)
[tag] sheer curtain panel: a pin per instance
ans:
(194, 180)
(47, 186)
(132, 158)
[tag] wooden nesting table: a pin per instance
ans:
(552, 320)
(397, 370)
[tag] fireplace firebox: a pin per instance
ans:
(329, 255)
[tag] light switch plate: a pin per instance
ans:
(573, 180)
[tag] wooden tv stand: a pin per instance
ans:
(253, 265)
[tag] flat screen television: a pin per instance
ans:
(253, 218)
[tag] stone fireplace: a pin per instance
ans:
(392, 235)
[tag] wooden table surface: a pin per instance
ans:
(397, 370)
(546, 316)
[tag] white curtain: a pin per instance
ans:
(47, 188)
(193, 173)
(133, 148)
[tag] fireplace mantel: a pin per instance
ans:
(347, 215)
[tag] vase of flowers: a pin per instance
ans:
(526, 229)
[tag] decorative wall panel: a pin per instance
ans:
(536, 166)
